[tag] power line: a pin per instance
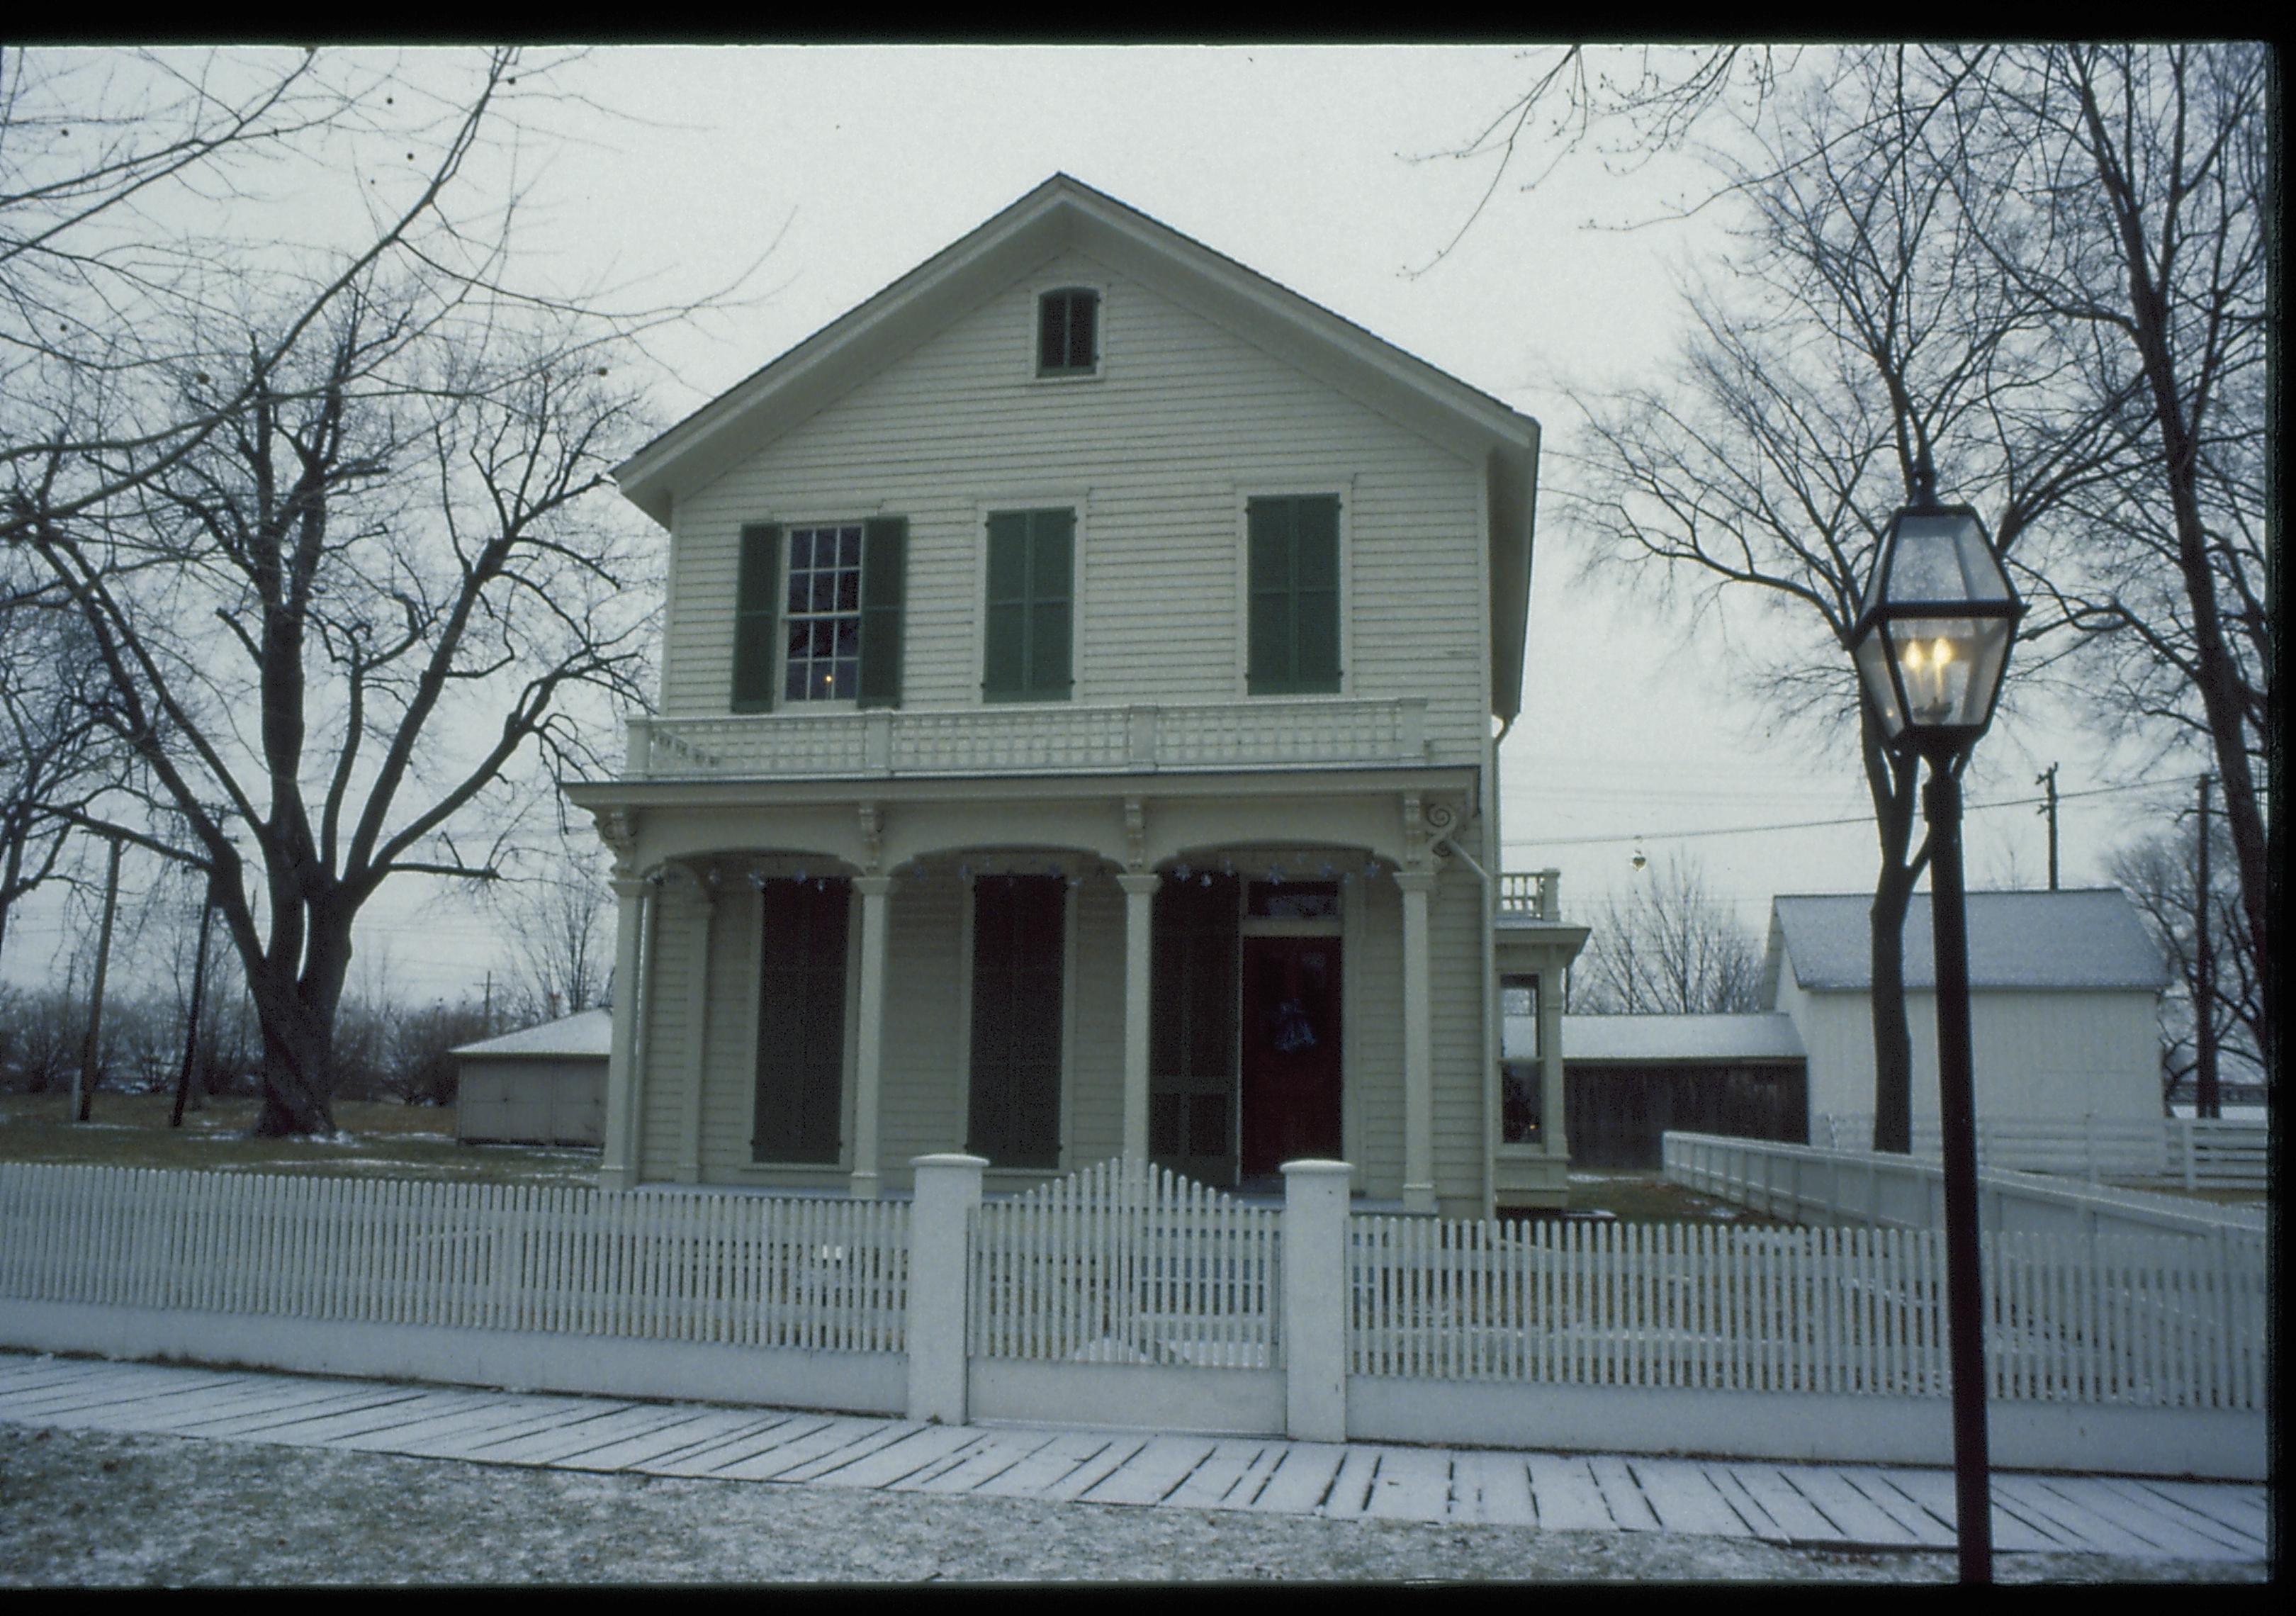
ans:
(1815, 825)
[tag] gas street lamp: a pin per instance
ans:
(1931, 644)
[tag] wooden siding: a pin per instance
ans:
(1187, 422)
(2036, 1053)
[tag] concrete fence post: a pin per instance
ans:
(940, 1235)
(1316, 1300)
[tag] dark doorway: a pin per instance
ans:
(1019, 924)
(1290, 1066)
(802, 1020)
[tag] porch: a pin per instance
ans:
(1216, 973)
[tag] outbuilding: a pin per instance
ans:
(1628, 1079)
(2064, 1004)
(545, 1084)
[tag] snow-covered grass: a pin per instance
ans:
(372, 1139)
(88, 1509)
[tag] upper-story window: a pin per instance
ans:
(1027, 631)
(1295, 587)
(817, 614)
(822, 620)
(1068, 332)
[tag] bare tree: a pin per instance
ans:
(334, 628)
(1852, 348)
(2138, 208)
(324, 509)
(53, 762)
(562, 939)
(2162, 874)
(1672, 948)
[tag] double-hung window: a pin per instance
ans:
(1294, 586)
(1028, 634)
(817, 614)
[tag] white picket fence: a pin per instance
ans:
(815, 1274)
(2197, 1154)
(1804, 1184)
(1124, 1264)
(1125, 1296)
(2153, 1323)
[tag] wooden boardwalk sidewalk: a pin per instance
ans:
(1800, 1505)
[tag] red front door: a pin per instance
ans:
(1290, 1067)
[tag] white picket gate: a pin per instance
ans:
(1123, 1263)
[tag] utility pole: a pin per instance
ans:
(2206, 1099)
(192, 1026)
(83, 1083)
(2048, 779)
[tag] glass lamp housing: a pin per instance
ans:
(1933, 639)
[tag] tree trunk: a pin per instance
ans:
(1890, 778)
(1893, 1040)
(297, 1017)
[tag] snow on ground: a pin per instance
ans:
(92, 1509)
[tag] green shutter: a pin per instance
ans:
(755, 663)
(1004, 659)
(1315, 609)
(884, 571)
(1294, 591)
(1026, 631)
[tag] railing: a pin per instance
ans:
(2211, 1153)
(1059, 737)
(1530, 895)
(740, 1270)
(2154, 1322)
(1126, 1266)
(1808, 1184)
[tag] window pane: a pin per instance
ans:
(848, 547)
(847, 681)
(848, 590)
(800, 549)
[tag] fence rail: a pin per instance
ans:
(2197, 1152)
(2148, 1322)
(1124, 1264)
(733, 1269)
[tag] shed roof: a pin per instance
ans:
(1768, 1037)
(2090, 939)
(585, 1032)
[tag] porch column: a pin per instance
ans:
(697, 1031)
(1418, 1046)
(1139, 898)
(1553, 1131)
(619, 1161)
(869, 1056)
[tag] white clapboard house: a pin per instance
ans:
(1076, 740)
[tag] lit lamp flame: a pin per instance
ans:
(1925, 677)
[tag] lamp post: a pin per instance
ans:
(1931, 644)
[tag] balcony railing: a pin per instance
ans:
(1530, 895)
(1050, 739)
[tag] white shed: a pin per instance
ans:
(2064, 1004)
(543, 1086)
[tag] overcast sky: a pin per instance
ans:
(837, 170)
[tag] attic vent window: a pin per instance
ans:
(1068, 332)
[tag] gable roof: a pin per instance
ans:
(585, 1032)
(1064, 213)
(2090, 939)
